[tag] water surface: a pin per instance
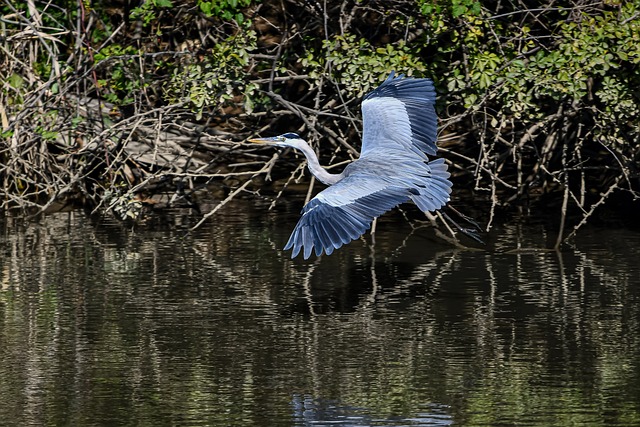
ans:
(102, 324)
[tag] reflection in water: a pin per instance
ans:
(318, 412)
(104, 325)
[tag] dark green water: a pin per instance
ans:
(102, 325)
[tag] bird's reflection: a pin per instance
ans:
(312, 411)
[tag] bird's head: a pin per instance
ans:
(289, 139)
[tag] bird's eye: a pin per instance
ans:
(290, 135)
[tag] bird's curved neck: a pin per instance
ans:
(318, 171)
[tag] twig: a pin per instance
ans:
(603, 198)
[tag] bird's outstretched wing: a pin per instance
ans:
(399, 114)
(400, 125)
(344, 211)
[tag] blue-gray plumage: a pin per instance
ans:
(399, 132)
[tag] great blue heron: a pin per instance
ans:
(399, 131)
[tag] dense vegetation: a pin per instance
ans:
(118, 107)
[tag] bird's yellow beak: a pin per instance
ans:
(262, 140)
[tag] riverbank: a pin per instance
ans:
(127, 111)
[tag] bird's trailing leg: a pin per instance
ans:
(472, 232)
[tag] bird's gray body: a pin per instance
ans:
(399, 133)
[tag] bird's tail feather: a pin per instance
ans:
(435, 189)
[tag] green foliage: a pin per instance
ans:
(47, 135)
(122, 73)
(18, 85)
(147, 11)
(590, 57)
(217, 79)
(46, 126)
(225, 9)
(358, 65)
(456, 8)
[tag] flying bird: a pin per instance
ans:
(399, 135)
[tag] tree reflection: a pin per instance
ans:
(102, 324)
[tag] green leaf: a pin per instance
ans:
(458, 10)
(205, 7)
(16, 81)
